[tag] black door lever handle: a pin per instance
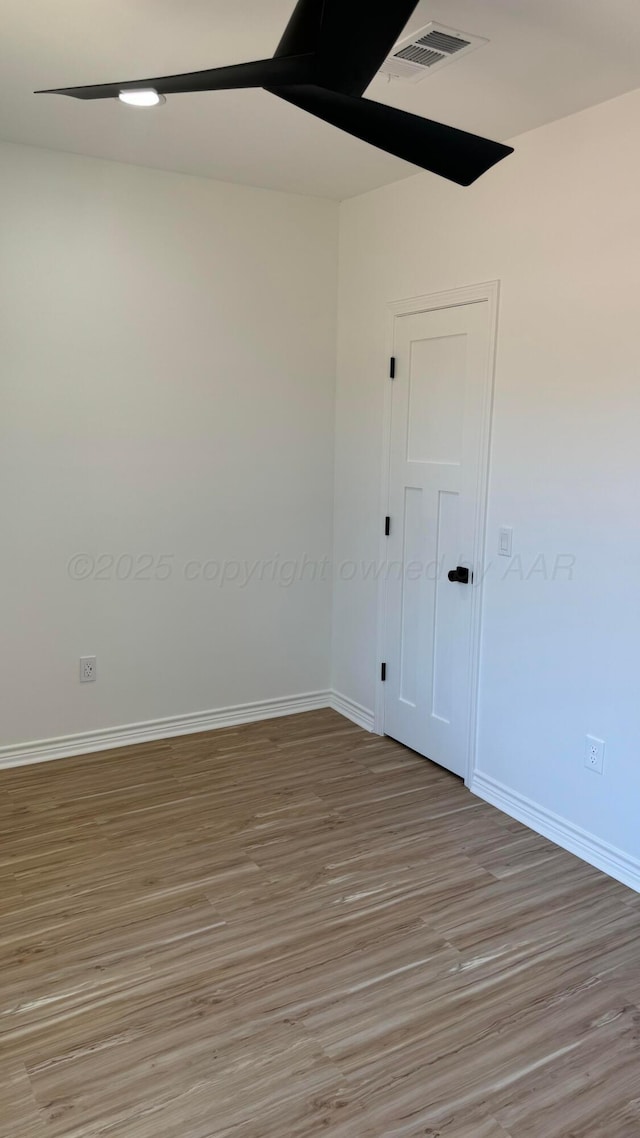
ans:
(459, 574)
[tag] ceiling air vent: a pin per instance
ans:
(427, 50)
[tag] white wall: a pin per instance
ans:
(559, 225)
(167, 387)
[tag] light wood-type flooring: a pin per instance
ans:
(295, 928)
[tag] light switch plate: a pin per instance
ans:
(505, 541)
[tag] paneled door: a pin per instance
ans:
(437, 466)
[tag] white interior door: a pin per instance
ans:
(438, 447)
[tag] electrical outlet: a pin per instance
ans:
(87, 669)
(594, 754)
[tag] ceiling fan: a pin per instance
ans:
(328, 55)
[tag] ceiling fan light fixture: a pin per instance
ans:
(323, 64)
(141, 97)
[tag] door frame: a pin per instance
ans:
(489, 291)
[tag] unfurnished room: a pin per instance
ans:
(319, 479)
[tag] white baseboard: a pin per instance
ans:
(43, 750)
(585, 845)
(351, 710)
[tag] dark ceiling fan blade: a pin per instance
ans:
(444, 150)
(352, 37)
(264, 72)
(302, 33)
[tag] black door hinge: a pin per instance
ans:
(392, 367)
(387, 526)
(383, 672)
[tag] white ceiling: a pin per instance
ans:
(546, 59)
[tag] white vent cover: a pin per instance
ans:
(427, 50)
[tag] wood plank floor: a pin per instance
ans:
(295, 928)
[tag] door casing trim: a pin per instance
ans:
(489, 292)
